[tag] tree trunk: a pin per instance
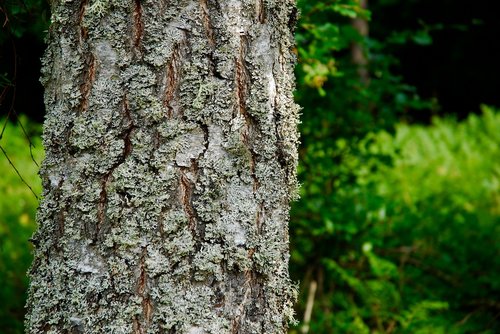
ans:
(358, 51)
(170, 142)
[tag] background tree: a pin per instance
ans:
(170, 141)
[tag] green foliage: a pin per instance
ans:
(390, 226)
(352, 107)
(17, 212)
(411, 245)
(20, 17)
(334, 123)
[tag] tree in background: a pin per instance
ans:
(170, 140)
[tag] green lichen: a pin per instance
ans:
(204, 91)
(96, 10)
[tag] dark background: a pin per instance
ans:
(461, 67)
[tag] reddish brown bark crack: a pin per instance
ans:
(88, 81)
(241, 79)
(260, 13)
(253, 159)
(206, 22)
(186, 194)
(147, 306)
(209, 32)
(138, 24)
(81, 14)
(172, 81)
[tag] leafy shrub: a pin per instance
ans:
(411, 246)
(17, 212)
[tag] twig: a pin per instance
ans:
(22, 179)
(309, 306)
(28, 138)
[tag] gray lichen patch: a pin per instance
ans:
(190, 146)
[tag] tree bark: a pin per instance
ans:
(170, 142)
(358, 50)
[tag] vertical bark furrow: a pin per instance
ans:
(165, 207)
(101, 206)
(142, 322)
(260, 11)
(242, 79)
(138, 24)
(81, 14)
(207, 24)
(129, 127)
(88, 80)
(250, 132)
(186, 193)
(172, 82)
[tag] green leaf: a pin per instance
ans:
(422, 37)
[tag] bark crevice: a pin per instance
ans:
(88, 80)
(138, 25)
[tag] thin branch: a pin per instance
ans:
(309, 306)
(17, 171)
(28, 138)
(6, 21)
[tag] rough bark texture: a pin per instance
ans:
(170, 142)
